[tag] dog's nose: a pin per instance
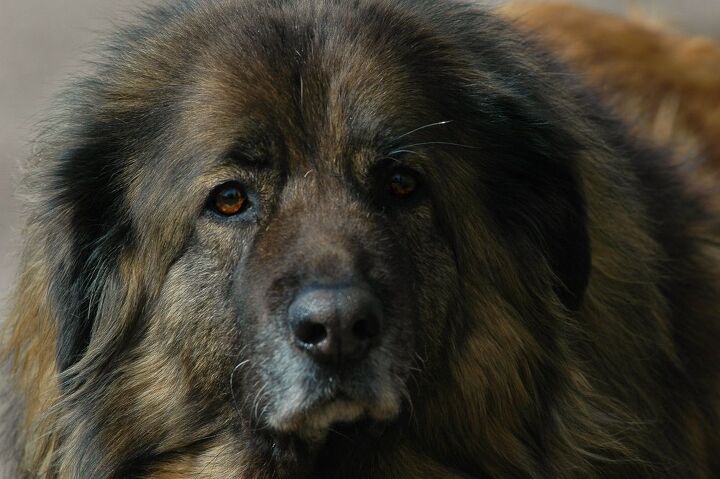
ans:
(336, 324)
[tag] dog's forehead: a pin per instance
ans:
(305, 99)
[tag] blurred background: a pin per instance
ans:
(43, 41)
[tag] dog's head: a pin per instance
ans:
(273, 215)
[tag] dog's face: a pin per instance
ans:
(280, 214)
(313, 261)
(315, 246)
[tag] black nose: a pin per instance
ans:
(336, 324)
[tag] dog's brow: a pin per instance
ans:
(250, 154)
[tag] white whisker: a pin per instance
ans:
(422, 128)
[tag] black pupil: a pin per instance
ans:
(230, 196)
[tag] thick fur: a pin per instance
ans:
(667, 85)
(551, 292)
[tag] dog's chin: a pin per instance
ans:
(313, 421)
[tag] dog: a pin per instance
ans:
(380, 238)
(665, 85)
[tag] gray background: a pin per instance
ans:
(43, 41)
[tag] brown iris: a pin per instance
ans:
(402, 184)
(228, 199)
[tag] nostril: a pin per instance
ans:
(366, 328)
(311, 333)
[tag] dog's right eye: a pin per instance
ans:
(228, 199)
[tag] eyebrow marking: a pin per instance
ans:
(249, 153)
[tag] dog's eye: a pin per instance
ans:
(228, 199)
(402, 183)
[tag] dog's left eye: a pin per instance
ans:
(402, 183)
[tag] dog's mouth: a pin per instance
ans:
(312, 416)
(348, 375)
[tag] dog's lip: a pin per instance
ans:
(315, 418)
(313, 421)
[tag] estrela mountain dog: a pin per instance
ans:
(356, 239)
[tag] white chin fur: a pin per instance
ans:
(313, 423)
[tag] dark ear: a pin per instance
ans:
(538, 203)
(563, 235)
(89, 229)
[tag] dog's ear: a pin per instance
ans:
(87, 230)
(540, 209)
(537, 200)
(567, 244)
